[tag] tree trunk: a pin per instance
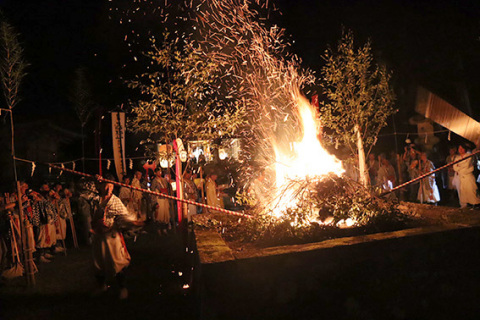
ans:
(364, 179)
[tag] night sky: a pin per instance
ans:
(429, 43)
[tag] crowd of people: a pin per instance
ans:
(457, 184)
(92, 212)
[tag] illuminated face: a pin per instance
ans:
(461, 150)
(138, 175)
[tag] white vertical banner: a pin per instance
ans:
(118, 136)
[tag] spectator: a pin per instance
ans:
(214, 193)
(137, 197)
(410, 157)
(451, 190)
(464, 179)
(386, 175)
(372, 165)
(125, 196)
(428, 190)
(162, 208)
(191, 193)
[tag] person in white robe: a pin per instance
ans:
(162, 210)
(464, 179)
(428, 190)
(190, 190)
(110, 254)
(137, 197)
(214, 193)
(64, 213)
(126, 197)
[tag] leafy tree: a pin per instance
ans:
(180, 97)
(359, 98)
(12, 72)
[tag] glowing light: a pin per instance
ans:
(307, 160)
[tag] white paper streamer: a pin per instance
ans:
(108, 164)
(73, 165)
(33, 168)
(130, 164)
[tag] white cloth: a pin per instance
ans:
(110, 254)
(162, 211)
(137, 199)
(428, 190)
(213, 196)
(464, 181)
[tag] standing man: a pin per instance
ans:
(137, 197)
(464, 179)
(191, 193)
(214, 193)
(162, 208)
(110, 254)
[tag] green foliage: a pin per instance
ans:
(179, 98)
(12, 64)
(358, 93)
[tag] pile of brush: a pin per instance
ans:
(326, 208)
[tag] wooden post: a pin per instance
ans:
(27, 251)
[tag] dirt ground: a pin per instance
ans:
(159, 281)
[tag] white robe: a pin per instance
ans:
(162, 212)
(464, 181)
(137, 200)
(110, 254)
(428, 190)
(214, 198)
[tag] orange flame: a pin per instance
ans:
(308, 159)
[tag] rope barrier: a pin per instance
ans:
(150, 192)
(428, 173)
